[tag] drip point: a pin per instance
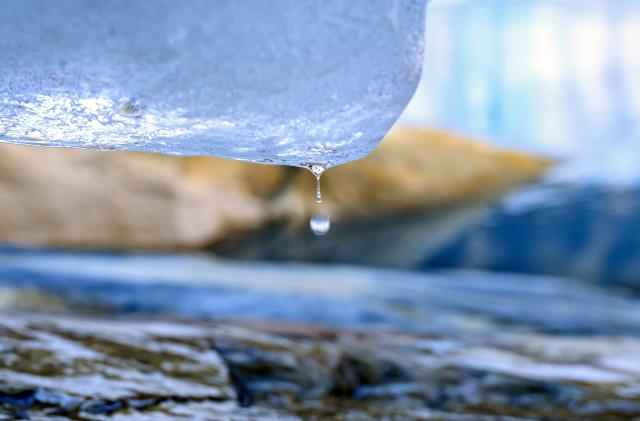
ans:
(317, 169)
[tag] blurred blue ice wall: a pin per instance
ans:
(553, 76)
(558, 77)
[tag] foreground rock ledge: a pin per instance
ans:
(89, 199)
(55, 367)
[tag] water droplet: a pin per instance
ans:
(320, 223)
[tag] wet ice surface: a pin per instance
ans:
(286, 82)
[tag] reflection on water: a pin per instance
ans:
(198, 286)
(562, 78)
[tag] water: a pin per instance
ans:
(208, 287)
(320, 224)
(277, 82)
(318, 191)
(317, 170)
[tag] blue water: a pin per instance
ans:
(199, 286)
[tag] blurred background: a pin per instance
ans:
(504, 204)
(560, 79)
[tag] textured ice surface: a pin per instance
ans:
(272, 81)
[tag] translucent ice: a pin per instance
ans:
(293, 82)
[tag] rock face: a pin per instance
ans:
(162, 336)
(60, 368)
(414, 170)
(79, 198)
(90, 199)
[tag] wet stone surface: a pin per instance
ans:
(59, 367)
(169, 337)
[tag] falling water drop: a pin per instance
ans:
(320, 223)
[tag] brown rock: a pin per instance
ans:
(80, 198)
(417, 169)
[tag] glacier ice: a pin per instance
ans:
(294, 82)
